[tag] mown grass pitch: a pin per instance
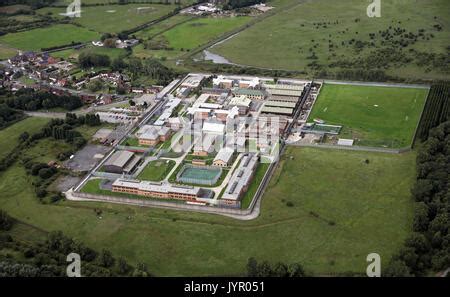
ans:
(374, 116)
(55, 35)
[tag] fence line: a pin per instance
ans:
(355, 148)
(162, 204)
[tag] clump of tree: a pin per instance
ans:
(48, 259)
(6, 222)
(29, 99)
(89, 59)
(9, 115)
(265, 269)
(151, 68)
(427, 249)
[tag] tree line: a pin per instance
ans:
(427, 249)
(30, 100)
(437, 109)
(265, 269)
(9, 115)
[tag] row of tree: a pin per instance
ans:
(428, 248)
(265, 269)
(29, 99)
(436, 111)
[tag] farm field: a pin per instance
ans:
(156, 170)
(9, 135)
(189, 35)
(337, 32)
(373, 116)
(337, 198)
(114, 18)
(56, 35)
(74, 53)
(6, 52)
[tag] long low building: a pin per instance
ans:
(240, 180)
(159, 190)
(277, 110)
(280, 104)
(121, 162)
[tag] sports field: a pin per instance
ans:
(114, 18)
(330, 29)
(373, 116)
(342, 210)
(55, 35)
(156, 170)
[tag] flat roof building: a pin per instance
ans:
(240, 180)
(159, 190)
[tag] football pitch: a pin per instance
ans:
(372, 115)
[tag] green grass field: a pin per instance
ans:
(188, 35)
(48, 37)
(9, 135)
(369, 204)
(114, 18)
(286, 40)
(374, 116)
(156, 170)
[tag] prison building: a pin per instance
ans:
(277, 110)
(242, 103)
(240, 180)
(250, 93)
(159, 190)
(121, 162)
(222, 82)
(151, 135)
(223, 157)
(280, 104)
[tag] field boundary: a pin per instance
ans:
(355, 148)
(231, 212)
(375, 84)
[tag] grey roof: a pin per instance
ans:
(241, 177)
(120, 158)
(224, 154)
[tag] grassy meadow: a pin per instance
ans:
(55, 35)
(330, 29)
(114, 18)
